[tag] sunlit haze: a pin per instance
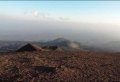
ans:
(83, 21)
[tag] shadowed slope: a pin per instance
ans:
(29, 47)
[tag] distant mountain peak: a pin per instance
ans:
(61, 40)
(29, 47)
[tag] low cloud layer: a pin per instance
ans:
(35, 30)
(39, 15)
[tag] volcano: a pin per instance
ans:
(29, 47)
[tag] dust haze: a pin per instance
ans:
(35, 30)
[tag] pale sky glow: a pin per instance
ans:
(79, 11)
(83, 21)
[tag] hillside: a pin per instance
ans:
(65, 44)
(62, 43)
(59, 66)
(8, 46)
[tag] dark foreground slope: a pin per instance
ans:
(59, 66)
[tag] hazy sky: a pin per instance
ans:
(81, 11)
(79, 20)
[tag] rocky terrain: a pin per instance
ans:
(59, 66)
(11, 46)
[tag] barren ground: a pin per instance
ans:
(59, 66)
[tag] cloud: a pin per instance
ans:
(39, 14)
(20, 29)
(64, 18)
(35, 13)
(44, 15)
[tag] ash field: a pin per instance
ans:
(59, 66)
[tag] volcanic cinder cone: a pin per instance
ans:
(59, 49)
(29, 47)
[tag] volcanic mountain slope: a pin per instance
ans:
(7, 46)
(62, 43)
(29, 47)
(59, 66)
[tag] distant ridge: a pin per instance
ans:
(62, 43)
(52, 48)
(56, 44)
(29, 47)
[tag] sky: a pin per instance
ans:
(78, 11)
(84, 21)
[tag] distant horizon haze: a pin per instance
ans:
(92, 22)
